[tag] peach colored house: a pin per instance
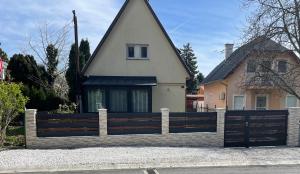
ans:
(224, 86)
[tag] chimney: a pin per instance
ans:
(228, 50)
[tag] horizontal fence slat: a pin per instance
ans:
(133, 123)
(45, 116)
(68, 125)
(64, 125)
(193, 122)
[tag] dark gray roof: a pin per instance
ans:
(114, 23)
(227, 66)
(120, 81)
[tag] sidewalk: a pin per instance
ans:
(142, 157)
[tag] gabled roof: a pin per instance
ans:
(113, 25)
(227, 66)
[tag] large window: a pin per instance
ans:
(291, 101)
(261, 102)
(96, 100)
(140, 102)
(119, 99)
(282, 66)
(238, 102)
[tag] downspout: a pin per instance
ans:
(226, 93)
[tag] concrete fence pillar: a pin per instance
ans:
(102, 122)
(164, 121)
(293, 127)
(30, 127)
(220, 125)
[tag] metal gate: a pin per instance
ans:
(255, 128)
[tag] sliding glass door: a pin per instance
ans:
(119, 99)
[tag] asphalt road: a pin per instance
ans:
(293, 169)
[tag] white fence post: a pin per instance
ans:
(293, 127)
(30, 127)
(220, 125)
(164, 121)
(102, 122)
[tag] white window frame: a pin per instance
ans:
(286, 97)
(244, 101)
(137, 51)
(267, 100)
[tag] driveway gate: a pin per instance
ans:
(255, 128)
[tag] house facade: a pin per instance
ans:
(228, 85)
(135, 67)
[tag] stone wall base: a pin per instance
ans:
(204, 139)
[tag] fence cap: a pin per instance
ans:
(164, 109)
(30, 110)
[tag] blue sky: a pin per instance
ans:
(206, 24)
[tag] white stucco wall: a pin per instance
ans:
(137, 26)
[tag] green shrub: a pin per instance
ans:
(12, 102)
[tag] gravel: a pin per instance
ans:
(142, 157)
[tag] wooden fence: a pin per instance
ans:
(193, 122)
(63, 125)
(256, 128)
(133, 123)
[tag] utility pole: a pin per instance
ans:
(78, 84)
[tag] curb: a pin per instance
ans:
(139, 166)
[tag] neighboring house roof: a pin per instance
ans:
(114, 23)
(227, 66)
(121, 81)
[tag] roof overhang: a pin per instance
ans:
(120, 81)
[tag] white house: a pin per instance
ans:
(135, 67)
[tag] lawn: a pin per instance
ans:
(15, 136)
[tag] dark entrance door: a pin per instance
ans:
(255, 128)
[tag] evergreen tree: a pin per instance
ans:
(190, 60)
(71, 74)
(84, 52)
(200, 78)
(84, 55)
(52, 62)
(23, 66)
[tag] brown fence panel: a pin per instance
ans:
(133, 123)
(256, 128)
(63, 125)
(193, 122)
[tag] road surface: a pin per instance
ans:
(285, 169)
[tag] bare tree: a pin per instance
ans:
(59, 39)
(278, 20)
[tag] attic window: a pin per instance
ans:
(282, 66)
(137, 51)
(130, 51)
(251, 66)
